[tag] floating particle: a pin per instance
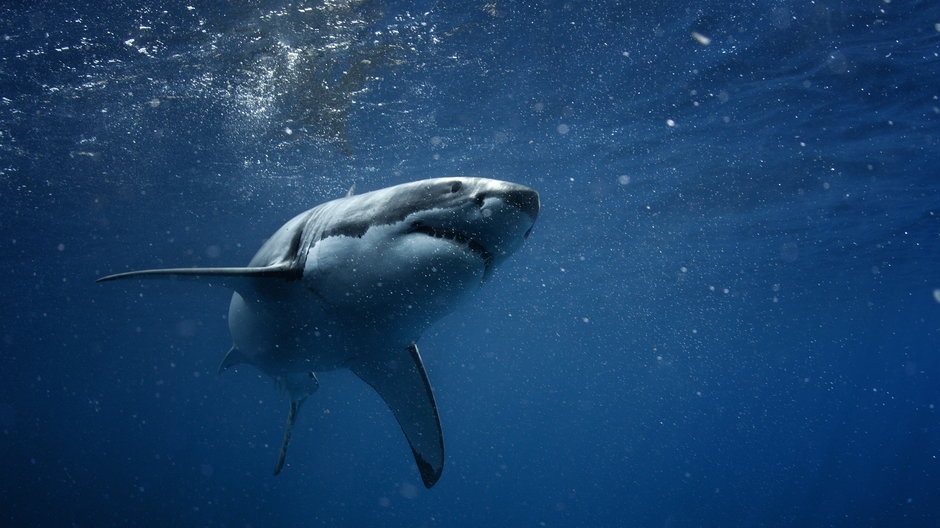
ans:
(936, 295)
(701, 39)
(408, 490)
(563, 128)
(670, 123)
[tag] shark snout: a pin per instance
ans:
(513, 199)
(524, 199)
(518, 196)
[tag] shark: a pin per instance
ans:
(354, 282)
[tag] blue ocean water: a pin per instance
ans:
(728, 313)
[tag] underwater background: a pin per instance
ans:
(728, 313)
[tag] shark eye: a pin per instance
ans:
(454, 187)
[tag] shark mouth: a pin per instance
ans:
(459, 238)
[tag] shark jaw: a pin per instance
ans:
(460, 239)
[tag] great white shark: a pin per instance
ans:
(354, 282)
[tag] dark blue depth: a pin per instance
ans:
(728, 313)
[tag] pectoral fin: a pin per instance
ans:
(234, 278)
(403, 384)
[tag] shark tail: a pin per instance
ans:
(288, 429)
(298, 386)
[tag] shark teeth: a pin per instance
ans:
(455, 236)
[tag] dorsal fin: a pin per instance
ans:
(352, 191)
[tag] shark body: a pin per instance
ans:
(353, 283)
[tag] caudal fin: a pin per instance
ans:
(288, 429)
(298, 385)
